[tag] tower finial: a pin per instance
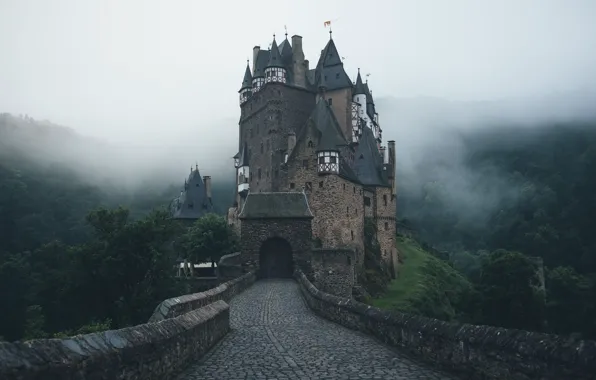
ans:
(286, 29)
(330, 33)
(273, 36)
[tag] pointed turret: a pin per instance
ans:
(246, 88)
(275, 71)
(195, 200)
(359, 87)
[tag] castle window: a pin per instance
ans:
(321, 184)
(330, 101)
(348, 210)
(261, 147)
(292, 185)
(344, 186)
(386, 226)
(354, 188)
(385, 200)
(349, 260)
(310, 144)
(305, 164)
(366, 201)
(352, 232)
(308, 186)
(259, 173)
(337, 76)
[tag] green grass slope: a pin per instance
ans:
(427, 286)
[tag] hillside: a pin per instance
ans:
(426, 285)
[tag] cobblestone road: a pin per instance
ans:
(275, 336)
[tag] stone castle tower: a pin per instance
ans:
(315, 131)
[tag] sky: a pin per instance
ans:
(168, 71)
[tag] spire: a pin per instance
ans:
(247, 81)
(275, 56)
(359, 87)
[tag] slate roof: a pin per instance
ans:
(325, 121)
(286, 52)
(247, 81)
(331, 68)
(193, 202)
(274, 56)
(262, 61)
(368, 163)
(275, 206)
(359, 87)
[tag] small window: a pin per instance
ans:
(305, 164)
(259, 173)
(261, 147)
(292, 185)
(386, 226)
(310, 144)
(349, 261)
(321, 184)
(366, 201)
(354, 189)
(330, 101)
(344, 186)
(337, 76)
(352, 232)
(348, 210)
(385, 200)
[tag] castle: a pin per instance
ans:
(195, 198)
(316, 132)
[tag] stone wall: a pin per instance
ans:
(152, 351)
(476, 352)
(174, 307)
(336, 203)
(230, 267)
(297, 232)
(385, 221)
(334, 271)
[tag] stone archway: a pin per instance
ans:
(276, 259)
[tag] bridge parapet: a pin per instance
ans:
(176, 306)
(479, 352)
(151, 351)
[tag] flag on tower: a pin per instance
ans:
(327, 23)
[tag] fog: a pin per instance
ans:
(155, 83)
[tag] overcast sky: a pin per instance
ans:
(152, 71)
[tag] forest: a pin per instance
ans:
(77, 256)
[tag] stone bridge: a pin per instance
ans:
(288, 329)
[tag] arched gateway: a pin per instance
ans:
(276, 233)
(275, 259)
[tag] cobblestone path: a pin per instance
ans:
(275, 336)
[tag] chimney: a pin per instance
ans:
(291, 142)
(207, 180)
(298, 66)
(255, 54)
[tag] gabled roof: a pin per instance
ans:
(368, 163)
(274, 56)
(247, 81)
(193, 202)
(279, 205)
